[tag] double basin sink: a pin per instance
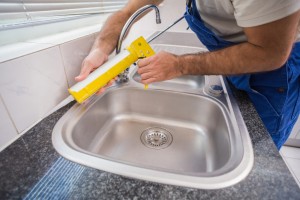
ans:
(187, 131)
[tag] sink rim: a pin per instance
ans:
(211, 182)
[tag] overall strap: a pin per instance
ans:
(192, 8)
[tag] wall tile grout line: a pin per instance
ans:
(9, 115)
(64, 65)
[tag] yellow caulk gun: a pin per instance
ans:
(112, 68)
(109, 70)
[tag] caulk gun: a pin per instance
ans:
(101, 76)
(112, 68)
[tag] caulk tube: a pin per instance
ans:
(101, 76)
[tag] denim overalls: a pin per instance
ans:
(275, 94)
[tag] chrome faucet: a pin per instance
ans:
(131, 20)
(123, 77)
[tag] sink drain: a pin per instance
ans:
(156, 138)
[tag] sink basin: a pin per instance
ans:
(117, 130)
(177, 132)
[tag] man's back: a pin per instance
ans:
(227, 17)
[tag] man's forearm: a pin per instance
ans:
(239, 59)
(242, 58)
(267, 49)
(109, 34)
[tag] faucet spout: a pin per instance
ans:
(132, 19)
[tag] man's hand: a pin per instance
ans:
(160, 67)
(95, 59)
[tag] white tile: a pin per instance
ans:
(73, 53)
(32, 85)
(7, 129)
(290, 152)
(294, 166)
(12, 51)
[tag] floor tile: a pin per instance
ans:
(294, 166)
(290, 152)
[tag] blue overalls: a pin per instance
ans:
(275, 94)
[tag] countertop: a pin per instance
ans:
(30, 168)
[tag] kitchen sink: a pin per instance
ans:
(114, 130)
(180, 132)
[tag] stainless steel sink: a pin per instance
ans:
(114, 130)
(178, 132)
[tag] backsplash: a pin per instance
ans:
(32, 85)
(73, 54)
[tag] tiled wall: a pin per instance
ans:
(32, 85)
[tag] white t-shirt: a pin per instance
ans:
(227, 17)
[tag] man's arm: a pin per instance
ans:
(106, 41)
(268, 48)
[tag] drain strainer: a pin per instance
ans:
(156, 138)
